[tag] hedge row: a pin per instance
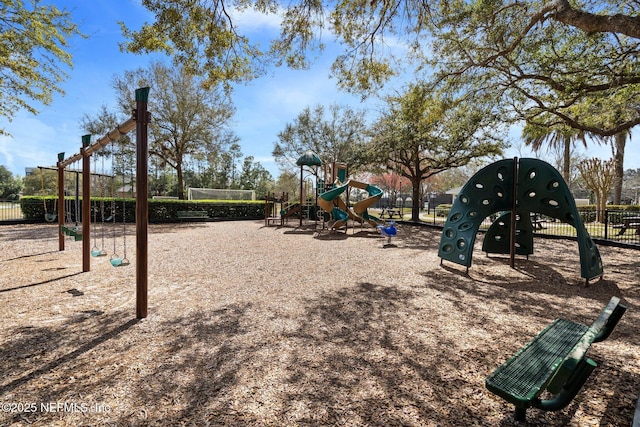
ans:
(33, 208)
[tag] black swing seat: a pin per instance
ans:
(554, 361)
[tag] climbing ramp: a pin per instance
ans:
(520, 187)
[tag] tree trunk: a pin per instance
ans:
(566, 160)
(180, 181)
(601, 205)
(415, 199)
(618, 156)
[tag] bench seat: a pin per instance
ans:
(523, 377)
(273, 220)
(192, 214)
(555, 361)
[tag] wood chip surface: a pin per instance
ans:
(284, 326)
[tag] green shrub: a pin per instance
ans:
(159, 210)
(443, 209)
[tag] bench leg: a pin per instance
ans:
(520, 414)
(570, 390)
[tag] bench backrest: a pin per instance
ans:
(599, 330)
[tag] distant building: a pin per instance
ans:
(453, 193)
(126, 191)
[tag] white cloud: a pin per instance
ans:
(7, 156)
(29, 146)
(249, 20)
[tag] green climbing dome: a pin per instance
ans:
(539, 188)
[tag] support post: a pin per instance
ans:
(142, 118)
(301, 195)
(514, 207)
(61, 201)
(86, 204)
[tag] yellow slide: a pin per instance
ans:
(330, 201)
(360, 208)
(327, 201)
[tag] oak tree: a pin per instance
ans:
(186, 118)
(423, 133)
(335, 134)
(34, 52)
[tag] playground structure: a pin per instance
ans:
(325, 201)
(71, 210)
(336, 208)
(516, 188)
(275, 208)
(139, 120)
(302, 209)
(53, 215)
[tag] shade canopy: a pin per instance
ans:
(309, 158)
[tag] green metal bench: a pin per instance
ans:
(554, 361)
(192, 214)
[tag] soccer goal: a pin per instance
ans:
(220, 194)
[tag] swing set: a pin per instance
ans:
(95, 250)
(139, 120)
(49, 217)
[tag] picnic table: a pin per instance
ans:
(628, 222)
(390, 212)
(537, 221)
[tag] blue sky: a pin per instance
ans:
(264, 106)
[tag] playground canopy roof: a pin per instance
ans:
(309, 158)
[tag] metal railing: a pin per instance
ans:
(10, 210)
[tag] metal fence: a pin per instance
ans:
(10, 211)
(614, 226)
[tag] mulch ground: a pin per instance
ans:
(254, 326)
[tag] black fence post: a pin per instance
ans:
(606, 224)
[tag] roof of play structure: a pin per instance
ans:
(309, 158)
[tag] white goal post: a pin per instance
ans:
(220, 194)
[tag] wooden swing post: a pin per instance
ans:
(61, 201)
(142, 117)
(86, 204)
(140, 120)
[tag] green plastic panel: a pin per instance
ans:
(497, 239)
(142, 94)
(342, 174)
(489, 190)
(540, 189)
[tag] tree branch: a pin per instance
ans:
(592, 23)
